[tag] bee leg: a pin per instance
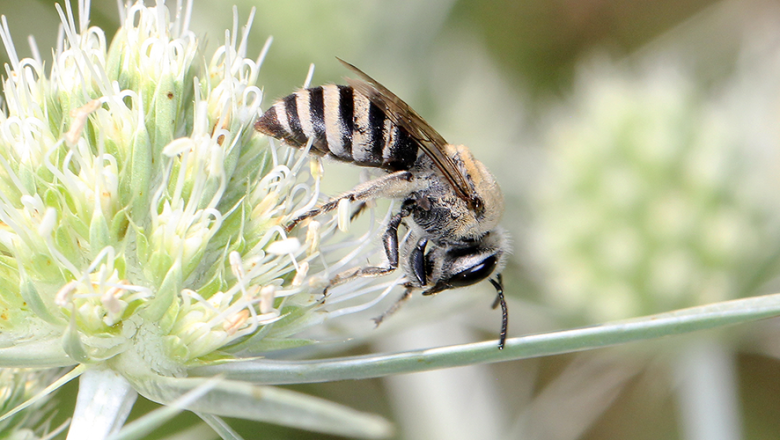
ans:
(397, 305)
(390, 240)
(499, 285)
(358, 210)
(392, 185)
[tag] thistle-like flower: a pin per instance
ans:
(653, 202)
(142, 222)
(646, 207)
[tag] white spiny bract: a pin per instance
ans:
(142, 216)
(17, 385)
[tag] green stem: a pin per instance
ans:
(362, 367)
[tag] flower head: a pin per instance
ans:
(142, 217)
(647, 204)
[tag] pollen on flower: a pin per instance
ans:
(300, 274)
(237, 265)
(233, 323)
(63, 296)
(343, 215)
(100, 298)
(284, 246)
(267, 297)
(312, 237)
(114, 303)
(80, 116)
(315, 167)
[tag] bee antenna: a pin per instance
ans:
(498, 283)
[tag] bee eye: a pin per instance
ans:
(474, 274)
(418, 261)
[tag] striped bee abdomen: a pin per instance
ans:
(343, 124)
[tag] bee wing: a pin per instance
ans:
(426, 136)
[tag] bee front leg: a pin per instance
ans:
(498, 283)
(390, 241)
(394, 185)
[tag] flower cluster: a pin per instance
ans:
(645, 208)
(142, 216)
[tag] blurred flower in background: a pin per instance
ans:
(654, 200)
(659, 196)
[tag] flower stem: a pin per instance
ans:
(103, 404)
(707, 392)
(273, 372)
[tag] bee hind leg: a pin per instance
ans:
(392, 185)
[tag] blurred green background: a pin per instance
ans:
(636, 144)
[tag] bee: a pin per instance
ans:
(451, 204)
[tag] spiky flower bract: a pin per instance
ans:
(18, 386)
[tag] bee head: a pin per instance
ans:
(463, 264)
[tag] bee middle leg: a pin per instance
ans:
(390, 241)
(392, 185)
(396, 305)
